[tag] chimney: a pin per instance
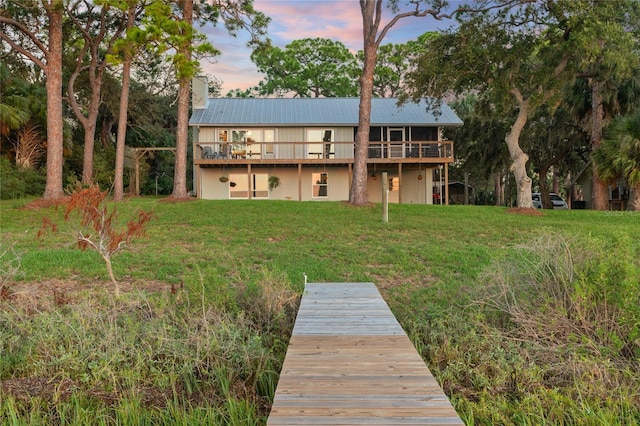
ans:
(199, 92)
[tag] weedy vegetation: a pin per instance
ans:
(524, 320)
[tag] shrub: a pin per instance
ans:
(18, 182)
(575, 307)
(97, 225)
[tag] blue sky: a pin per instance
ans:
(338, 20)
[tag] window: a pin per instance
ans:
(322, 148)
(394, 183)
(269, 147)
(239, 185)
(424, 134)
(395, 135)
(260, 185)
(319, 185)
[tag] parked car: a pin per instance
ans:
(557, 201)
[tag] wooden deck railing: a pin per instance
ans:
(407, 151)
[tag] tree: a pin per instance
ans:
(310, 67)
(618, 156)
(184, 71)
(127, 47)
(373, 35)
(140, 40)
(392, 65)
(36, 33)
(14, 102)
(512, 64)
(609, 57)
(189, 45)
(480, 144)
(99, 28)
(97, 226)
(550, 139)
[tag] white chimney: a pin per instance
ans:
(199, 92)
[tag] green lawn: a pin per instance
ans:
(210, 299)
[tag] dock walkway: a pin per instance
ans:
(349, 362)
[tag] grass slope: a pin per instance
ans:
(201, 332)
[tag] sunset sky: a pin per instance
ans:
(338, 20)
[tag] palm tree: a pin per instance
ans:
(14, 103)
(619, 154)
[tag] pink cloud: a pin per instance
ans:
(293, 20)
(338, 20)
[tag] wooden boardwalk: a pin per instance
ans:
(349, 362)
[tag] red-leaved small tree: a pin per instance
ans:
(98, 225)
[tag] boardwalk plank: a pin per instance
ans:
(349, 362)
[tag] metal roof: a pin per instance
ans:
(318, 112)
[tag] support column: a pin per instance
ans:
(446, 183)
(399, 183)
(299, 182)
(466, 188)
(385, 197)
(249, 180)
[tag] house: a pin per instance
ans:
(620, 194)
(457, 193)
(303, 148)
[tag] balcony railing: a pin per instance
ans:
(322, 152)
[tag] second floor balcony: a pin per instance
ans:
(436, 152)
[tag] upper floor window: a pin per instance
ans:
(319, 143)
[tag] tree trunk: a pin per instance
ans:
(358, 190)
(497, 189)
(87, 159)
(599, 194)
(55, 137)
(95, 79)
(544, 187)
(556, 180)
(89, 121)
(118, 180)
(519, 158)
(182, 129)
(636, 197)
(112, 277)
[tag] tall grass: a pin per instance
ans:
(210, 297)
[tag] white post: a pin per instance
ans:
(385, 197)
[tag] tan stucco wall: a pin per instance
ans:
(412, 189)
(338, 188)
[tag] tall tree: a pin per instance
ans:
(36, 33)
(373, 33)
(514, 65)
(607, 35)
(99, 28)
(127, 47)
(184, 72)
(189, 46)
(310, 67)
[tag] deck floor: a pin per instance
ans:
(349, 362)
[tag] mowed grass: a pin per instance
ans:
(218, 280)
